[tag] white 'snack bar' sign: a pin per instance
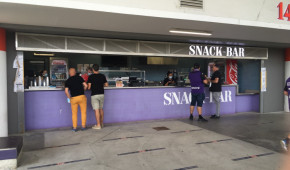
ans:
(216, 51)
(227, 51)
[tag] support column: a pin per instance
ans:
(261, 93)
(287, 75)
(3, 85)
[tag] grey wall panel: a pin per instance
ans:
(273, 98)
(15, 100)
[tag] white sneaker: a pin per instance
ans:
(96, 127)
(283, 145)
(102, 125)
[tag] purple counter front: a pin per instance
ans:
(49, 109)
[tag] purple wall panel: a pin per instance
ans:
(49, 109)
(248, 103)
(8, 154)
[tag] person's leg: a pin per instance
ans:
(74, 109)
(216, 97)
(97, 114)
(102, 110)
(95, 105)
(200, 99)
(199, 110)
(191, 109)
(83, 106)
(192, 105)
(101, 117)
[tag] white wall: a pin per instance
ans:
(252, 10)
(248, 12)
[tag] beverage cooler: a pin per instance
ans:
(228, 69)
(223, 69)
(58, 71)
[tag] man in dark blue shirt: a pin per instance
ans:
(197, 81)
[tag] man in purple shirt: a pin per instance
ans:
(197, 81)
(285, 142)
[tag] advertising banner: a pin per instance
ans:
(232, 72)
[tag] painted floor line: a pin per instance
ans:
(56, 164)
(215, 141)
(146, 150)
(253, 156)
(187, 131)
(130, 137)
(263, 123)
(185, 168)
(60, 146)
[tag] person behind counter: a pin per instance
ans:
(43, 73)
(76, 86)
(96, 84)
(169, 80)
(89, 72)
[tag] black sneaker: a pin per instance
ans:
(214, 117)
(84, 128)
(191, 117)
(202, 119)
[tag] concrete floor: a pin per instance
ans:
(187, 144)
(260, 129)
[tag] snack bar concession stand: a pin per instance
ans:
(134, 70)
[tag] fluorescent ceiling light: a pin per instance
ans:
(190, 32)
(39, 54)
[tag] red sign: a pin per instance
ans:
(58, 62)
(2, 40)
(232, 72)
(281, 10)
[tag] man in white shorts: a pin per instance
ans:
(96, 84)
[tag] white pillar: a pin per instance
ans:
(287, 75)
(3, 86)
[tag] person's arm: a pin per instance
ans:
(173, 81)
(67, 92)
(216, 80)
(204, 78)
(166, 84)
(106, 84)
(85, 85)
(285, 90)
(89, 86)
